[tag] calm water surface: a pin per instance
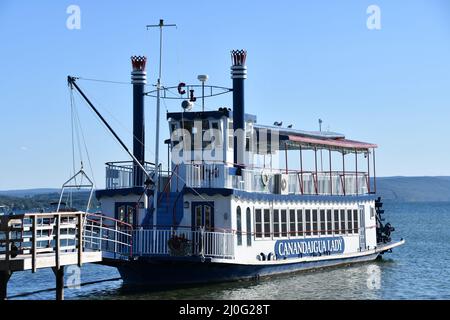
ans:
(418, 270)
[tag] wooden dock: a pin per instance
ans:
(43, 240)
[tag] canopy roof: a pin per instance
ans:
(295, 139)
(295, 142)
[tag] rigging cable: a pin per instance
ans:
(101, 107)
(77, 130)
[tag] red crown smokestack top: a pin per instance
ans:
(138, 63)
(138, 75)
(238, 57)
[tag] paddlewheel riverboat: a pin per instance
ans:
(224, 211)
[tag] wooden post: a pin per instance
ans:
(34, 244)
(57, 241)
(7, 243)
(59, 276)
(4, 278)
(80, 239)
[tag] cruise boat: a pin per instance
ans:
(226, 209)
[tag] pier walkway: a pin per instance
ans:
(55, 240)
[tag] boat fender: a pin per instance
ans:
(263, 256)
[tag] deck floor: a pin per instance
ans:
(47, 260)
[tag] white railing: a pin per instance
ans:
(183, 243)
(111, 236)
(120, 174)
(258, 180)
(41, 234)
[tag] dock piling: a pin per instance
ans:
(4, 278)
(59, 276)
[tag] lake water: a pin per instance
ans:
(418, 270)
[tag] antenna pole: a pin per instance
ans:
(161, 25)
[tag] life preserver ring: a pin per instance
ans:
(265, 179)
(283, 184)
(178, 246)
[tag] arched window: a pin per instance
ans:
(239, 226)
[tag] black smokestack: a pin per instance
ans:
(238, 74)
(139, 80)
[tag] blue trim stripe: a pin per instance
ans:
(276, 197)
(121, 192)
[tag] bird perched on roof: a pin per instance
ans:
(290, 126)
(278, 124)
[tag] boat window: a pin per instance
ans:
(267, 223)
(292, 224)
(342, 221)
(258, 223)
(230, 135)
(208, 218)
(212, 136)
(205, 125)
(329, 222)
(349, 221)
(130, 215)
(322, 222)
(121, 215)
(314, 222)
(276, 224)
(336, 221)
(188, 126)
(300, 223)
(173, 127)
(249, 227)
(355, 221)
(239, 226)
(308, 222)
(283, 223)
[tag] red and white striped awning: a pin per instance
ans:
(328, 143)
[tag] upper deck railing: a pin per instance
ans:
(276, 181)
(262, 180)
(120, 174)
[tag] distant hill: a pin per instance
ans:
(403, 189)
(22, 200)
(414, 189)
(28, 192)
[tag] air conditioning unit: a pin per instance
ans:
(281, 183)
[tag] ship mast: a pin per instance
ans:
(161, 25)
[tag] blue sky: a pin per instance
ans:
(306, 60)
